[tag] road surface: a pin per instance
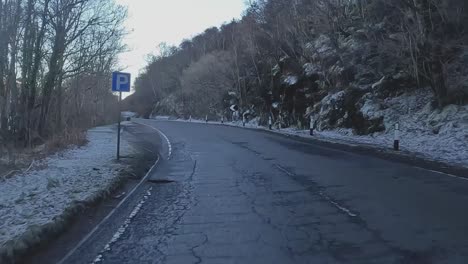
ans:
(231, 195)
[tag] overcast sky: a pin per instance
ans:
(154, 21)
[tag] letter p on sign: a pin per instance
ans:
(120, 82)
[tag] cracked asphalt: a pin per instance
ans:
(231, 195)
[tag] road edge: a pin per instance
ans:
(405, 157)
(110, 214)
(168, 142)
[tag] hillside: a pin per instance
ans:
(356, 67)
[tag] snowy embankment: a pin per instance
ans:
(36, 203)
(433, 134)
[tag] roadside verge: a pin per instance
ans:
(39, 204)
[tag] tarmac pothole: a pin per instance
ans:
(161, 181)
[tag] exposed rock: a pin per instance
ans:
(365, 78)
(350, 109)
(370, 107)
(331, 110)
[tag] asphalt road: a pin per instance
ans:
(230, 195)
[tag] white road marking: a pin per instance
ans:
(442, 173)
(284, 170)
(337, 205)
(99, 258)
(323, 195)
(163, 135)
(144, 179)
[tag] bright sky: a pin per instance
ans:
(154, 21)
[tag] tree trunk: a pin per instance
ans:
(437, 75)
(27, 62)
(35, 70)
(51, 78)
(432, 55)
(59, 124)
(11, 79)
(3, 62)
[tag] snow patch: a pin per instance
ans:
(310, 69)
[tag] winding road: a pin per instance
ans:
(223, 194)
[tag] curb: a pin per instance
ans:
(130, 194)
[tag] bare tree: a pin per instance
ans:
(71, 21)
(44, 45)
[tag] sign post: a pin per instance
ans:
(120, 83)
(312, 124)
(396, 141)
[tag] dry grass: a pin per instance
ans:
(24, 158)
(74, 137)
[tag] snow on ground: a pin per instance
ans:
(448, 149)
(435, 134)
(439, 134)
(36, 198)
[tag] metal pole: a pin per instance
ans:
(270, 123)
(118, 127)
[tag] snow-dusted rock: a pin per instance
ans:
(331, 110)
(291, 80)
(351, 43)
(440, 134)
(370, 108)
(311, 69)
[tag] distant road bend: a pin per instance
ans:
(230, 195)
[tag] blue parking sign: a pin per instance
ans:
(120, 82)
